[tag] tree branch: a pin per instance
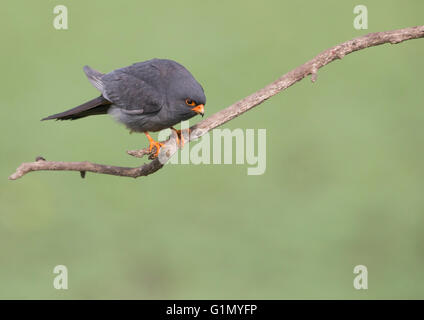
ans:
(309, 68)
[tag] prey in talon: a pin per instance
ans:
(146, 97)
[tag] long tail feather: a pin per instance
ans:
(98, 105)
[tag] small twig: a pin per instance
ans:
(139, 153)
(309, 68)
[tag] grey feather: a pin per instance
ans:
(95, 106)
(139, 89)
(95, 78)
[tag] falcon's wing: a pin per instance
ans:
(95, 78)
(134, 89)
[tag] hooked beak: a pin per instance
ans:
(199, 109)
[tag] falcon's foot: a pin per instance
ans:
(180, 136)
(153, 144)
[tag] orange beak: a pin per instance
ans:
(200, 109)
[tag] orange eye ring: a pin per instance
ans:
(190, 103)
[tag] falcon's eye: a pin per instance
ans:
(190, 103)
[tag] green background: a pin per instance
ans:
(344, 180)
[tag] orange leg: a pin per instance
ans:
(153, 143)
(180, 136)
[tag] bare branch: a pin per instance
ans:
(309, 68)
(85, 166)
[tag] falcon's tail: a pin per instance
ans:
(98, 105)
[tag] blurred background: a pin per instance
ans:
(344, 180)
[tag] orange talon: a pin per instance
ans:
(180, 136)
(153, 143)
